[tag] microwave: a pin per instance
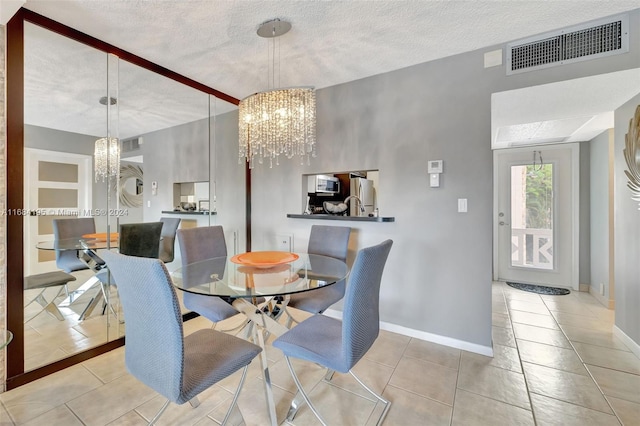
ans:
(323, 185)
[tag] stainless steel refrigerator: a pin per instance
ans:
(364, 190)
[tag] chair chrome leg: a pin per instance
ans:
(303, 393)
(194, 402)
(290, 318)
(298, 399)
(106, 295)
(159, 413)
(90, 306)
(296, 403)
(329, 375)
(235, 396)
(74, 295)
(386, 403)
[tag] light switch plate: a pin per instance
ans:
(284, 242)
(462, 205)
(434, 180)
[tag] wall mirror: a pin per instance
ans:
(74, 95)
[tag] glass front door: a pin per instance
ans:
(536, 228)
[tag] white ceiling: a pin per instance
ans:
(331, 42)
(567, 111)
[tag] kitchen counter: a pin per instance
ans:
(341, 218)
(195, 212)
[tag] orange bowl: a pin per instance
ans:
(264, 259)
(101, 236)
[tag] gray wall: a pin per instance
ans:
(627, 232)
(437, 282)
(599, 209)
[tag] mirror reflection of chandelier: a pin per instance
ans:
(106, 158)
(277, 121)
(106, 154)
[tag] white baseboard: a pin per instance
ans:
(423, 335)
(607, 303)
(635, 348)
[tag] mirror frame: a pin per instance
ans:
(15, 374)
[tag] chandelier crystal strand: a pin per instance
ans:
(106, 158)
(276, 122)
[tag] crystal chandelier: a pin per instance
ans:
(277, 121)
(107, 158)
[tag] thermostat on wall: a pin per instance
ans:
(435, 166)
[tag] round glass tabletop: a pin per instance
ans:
(223, 277)
(5, 338)
(77, 244)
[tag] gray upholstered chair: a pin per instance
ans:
(198, 244)
(136, 239)
(42, 282)
(168, 241)
(67, 260)
(64, 229)
(331, 241)
(140, 239)
(156, 351)
(339, 345)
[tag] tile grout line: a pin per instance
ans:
(584, 365)
(455, 389)
(526, 383)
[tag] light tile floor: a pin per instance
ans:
(556, 362)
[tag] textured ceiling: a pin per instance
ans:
(331, 42)
(566, 111)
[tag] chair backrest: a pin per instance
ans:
(140, 239)
(168, 242)
(63, 229)
(332, 241)
(201, 243)
(155, 350)
(361, 316)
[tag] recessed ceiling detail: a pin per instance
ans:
(549, 131)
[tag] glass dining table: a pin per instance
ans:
(253, 288)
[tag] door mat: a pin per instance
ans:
(540, 289)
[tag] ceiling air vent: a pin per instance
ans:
(592, 40)
(129, 145)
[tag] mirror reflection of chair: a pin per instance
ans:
(198, 244)
(135, 239)
(168, 241)
(43, 282)
(140, 239)
(64, 229)
(156, 352)
(339, 345)
(67, 260)
(331, 241)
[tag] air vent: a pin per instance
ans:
(592, 40)
(129, 145)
